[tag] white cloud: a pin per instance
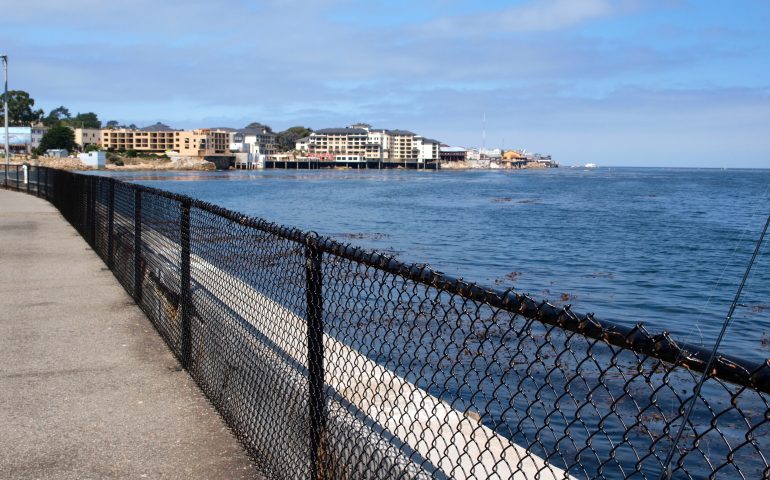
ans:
(539, 16)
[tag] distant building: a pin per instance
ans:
(202, 143)
(56, 153)
(427, 149)
(156, 138)
(93, 159)
(513, 155)
(257, 141)
(87, 136)
(491, 153)
(22, 139)
(361, 142)
(453, 154)
(160, 138)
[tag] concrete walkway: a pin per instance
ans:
(88, 390)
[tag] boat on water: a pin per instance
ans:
(590, 165)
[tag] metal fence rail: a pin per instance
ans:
(330, 361)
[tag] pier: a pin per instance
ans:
(362, 165)
(87, 387)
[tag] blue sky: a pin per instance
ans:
(627, 82)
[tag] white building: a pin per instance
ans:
(94, 159)
(361, 141)
(22, 139)
(491, 153)
(427, 149)
(256, 141)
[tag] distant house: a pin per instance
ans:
(22, 139)
(57, 153)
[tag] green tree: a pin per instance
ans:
(56, 116)
(20, 112)
(260, 125)
(56, 137)
(112, 124)
(85, 120)
(287, 139)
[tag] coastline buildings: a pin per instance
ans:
(160, 138)
(360, 142)
(355, 146)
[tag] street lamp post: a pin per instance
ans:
(5, 107)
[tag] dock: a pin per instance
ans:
(355, 165)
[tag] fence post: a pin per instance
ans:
(110, 224)
(92, 211)
(84, 192)
(25, 169)
(18, 178)
(315, 356)
(137, 245)
(184, 297)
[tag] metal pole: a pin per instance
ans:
(185, 302)
(110, 225)
(313, 278)
(5, 108)
(138, 246)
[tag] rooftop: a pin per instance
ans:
(341, 131)
(158, 127)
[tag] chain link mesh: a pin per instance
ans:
(329, 361)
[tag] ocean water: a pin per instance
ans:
(664, 247)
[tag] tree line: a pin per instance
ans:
(22, 113)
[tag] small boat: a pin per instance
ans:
(590, 165)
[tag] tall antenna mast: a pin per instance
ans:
(484, 131)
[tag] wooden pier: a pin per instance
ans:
(365, 165)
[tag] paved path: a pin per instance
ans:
(88, 390)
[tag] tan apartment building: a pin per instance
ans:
(202, 143)
(87, 136)
(156, 138)
(338, 141)
(161, 138)
(403, 147)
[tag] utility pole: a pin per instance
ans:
(5, 107)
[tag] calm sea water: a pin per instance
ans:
(666, 247)
(663, 247)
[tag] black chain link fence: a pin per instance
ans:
(330, 361)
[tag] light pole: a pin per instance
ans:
(5, 107)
